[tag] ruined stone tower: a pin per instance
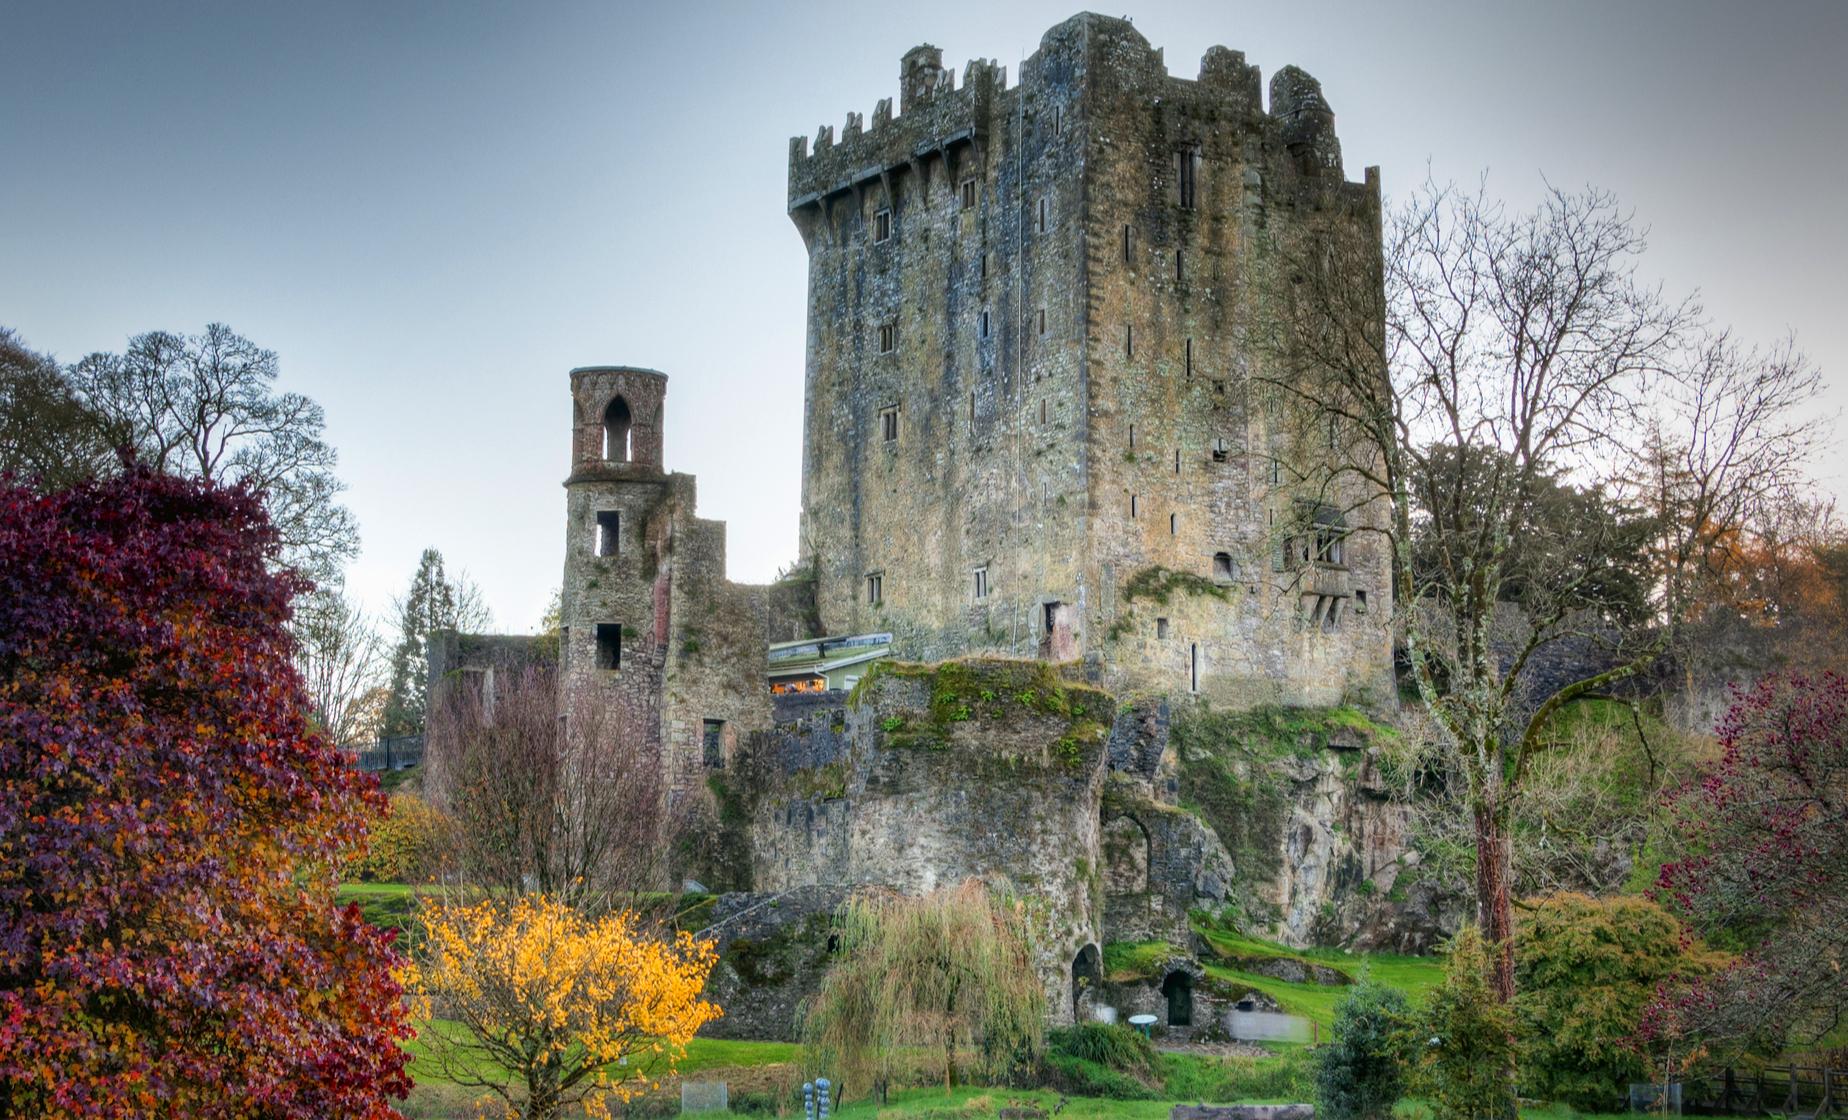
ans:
(1035, 422)
(673, 651)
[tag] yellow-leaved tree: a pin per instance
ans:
(579, 1010)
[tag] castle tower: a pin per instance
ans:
(1035, 422)
(650, 627)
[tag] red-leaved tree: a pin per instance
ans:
(170, 825)
(1767, 834)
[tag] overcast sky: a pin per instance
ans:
(434, 211)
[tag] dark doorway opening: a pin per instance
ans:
(1087, 972)
(1178, 988)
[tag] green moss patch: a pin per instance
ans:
(1128, 961)
(991, 690)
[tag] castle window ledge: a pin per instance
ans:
(1325, 579)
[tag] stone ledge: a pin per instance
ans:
(1242, 1112)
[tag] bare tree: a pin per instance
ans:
(205, 406)
(560, 800)
(337, 652)
(1506, 354)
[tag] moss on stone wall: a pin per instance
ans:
(991, 690)
(1232, 774)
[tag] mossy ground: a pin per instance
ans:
(1415, 976)
(991, 690)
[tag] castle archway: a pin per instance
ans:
(617, 431)
(1087, 974)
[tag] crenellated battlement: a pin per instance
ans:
(935, 115)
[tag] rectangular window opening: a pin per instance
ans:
(888, 337)
(1132, 506)
(1189, 359)
(1193, 667)
(968, 194)
(712, 743)
(1187, 165)
(1161, 628)
(1042, 215)
(1220, 451)
(1178, 275)
(984, 266)
(1042, 320)
(984, 324)
(875, 588)
(609, 532)
(981, 582)
(882, 225)
(1177, 460)
(609, 645)
(1132, 437)
(1174, 522)
(1042, 410)
(1126, 244)
(888, 424)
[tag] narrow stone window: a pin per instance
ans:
(968, 194)
(984, 324)
(1174, 522)
(1042, 320)
(875, 588)
(1042, 410)
(1186, 168)
(1276, 472)
(609, 645)
(981, 582)
(1132, 437)
(1126, 244)
(712, 743)
(882, 225)
(1220, 451)
(888, 337)
(984, 266)
(1129, 340)
(1219, 386)
(1360, 602)
(1193, 667)
(1179, 276)
(1189, 358)
(888, 424)
(1161, 628)
(1177, 460)
(609, 532)
(1224, 570)
(1043, 208)
(1132, 506)
(1058, 119)
(971, 413)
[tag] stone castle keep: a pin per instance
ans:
(1040, 447)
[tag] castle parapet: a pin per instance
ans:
(937, 119)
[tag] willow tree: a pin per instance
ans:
(1478, 372)
(943, 973)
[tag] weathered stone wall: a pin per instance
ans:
(774, 950)
(934, 775)
(1074, 407)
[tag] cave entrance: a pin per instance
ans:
(1178, 987)
(1087, 972)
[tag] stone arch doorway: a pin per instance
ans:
(1087, 973)
(1178, 988)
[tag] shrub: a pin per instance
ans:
(1585, 970)
(1360, 1074)
(1119, 1048)
(1465, 1042)
(408, 843)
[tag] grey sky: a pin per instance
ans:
(434, 211)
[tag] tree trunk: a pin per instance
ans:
(1494, 907)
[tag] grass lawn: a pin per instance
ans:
(1415, 976)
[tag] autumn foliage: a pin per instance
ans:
(1765, 833)
(579, 1010)
(169, 825)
